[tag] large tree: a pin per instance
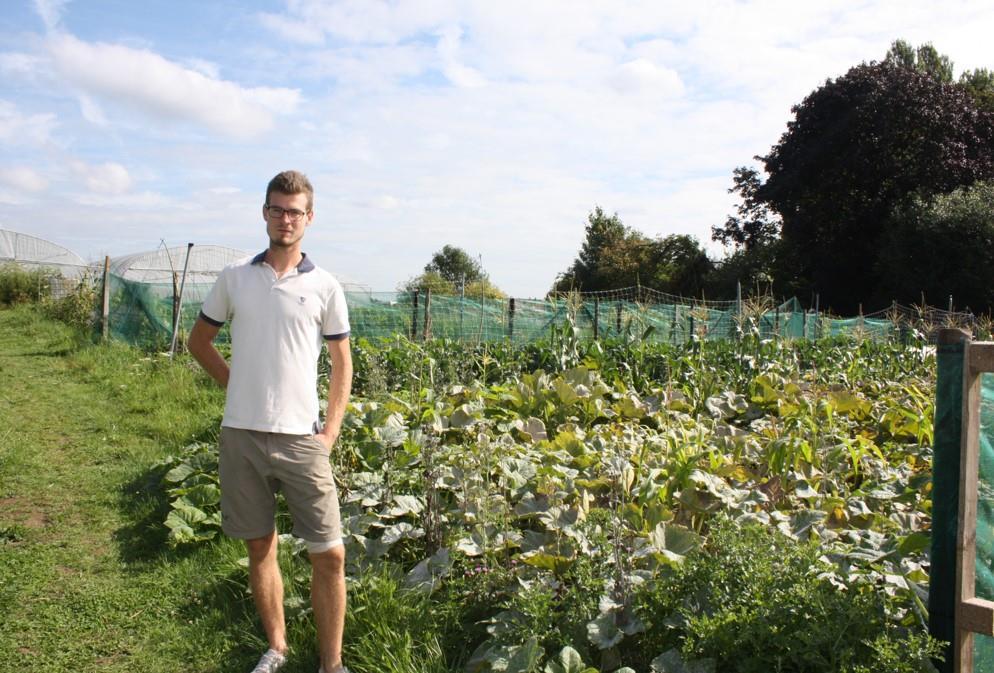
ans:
(858, 148)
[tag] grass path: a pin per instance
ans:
(87, 582)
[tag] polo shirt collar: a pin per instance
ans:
(304, 266)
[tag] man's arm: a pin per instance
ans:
(339, 388)
(201, 346)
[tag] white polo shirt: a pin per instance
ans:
(277, 330)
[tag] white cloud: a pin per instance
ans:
(644, 76)
(92, 111)
(205, 68)
(145, 80)
(359, 21)
(20, 129)
(107, 178)
(23, 179)
(18, 64)
(139, 201)
(300, 31)
(50, 12)
(456, 72)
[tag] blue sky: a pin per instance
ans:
(494, 126)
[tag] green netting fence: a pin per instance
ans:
(946, 466)
(143, 313)
(983, 646)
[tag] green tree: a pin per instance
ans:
(455, 265)
(754, 224)
(925, 59)
(676, 264)
(614, 256)
(451, 271)
(979, 83)
(429, 280)
(943, 247)
(598, 265)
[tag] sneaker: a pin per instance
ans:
(270, 662)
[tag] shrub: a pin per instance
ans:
(19, 285)
(78, 308)
(755, 601)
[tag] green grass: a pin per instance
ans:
(87, 582)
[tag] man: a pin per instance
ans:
(281, 307)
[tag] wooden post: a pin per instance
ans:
(966, 529)
(414, 315)
(426, 333)
(617, 318)
(510, 318)
(105, 310)
(597, 315)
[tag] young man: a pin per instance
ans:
(281, 307)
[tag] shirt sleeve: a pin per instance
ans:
(216, 307)
(336, 315)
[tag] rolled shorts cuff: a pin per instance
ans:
(320, 547)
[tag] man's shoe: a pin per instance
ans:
(270, 662)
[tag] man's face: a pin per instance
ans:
(287, 229)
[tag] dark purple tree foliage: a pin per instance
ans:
(858, 148)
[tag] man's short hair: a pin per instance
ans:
(290, 183)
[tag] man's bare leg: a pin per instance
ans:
(267, 589)
(328, 601)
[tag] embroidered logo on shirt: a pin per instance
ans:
(303, 299)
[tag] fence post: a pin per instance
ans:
(817, 317)
(176, 325)
(414, 315)
(617, 319)
(175, 298)
(738, 308)
(597, 315)
(946, 458)
(105, 309)
(510, 318)
(426, 332)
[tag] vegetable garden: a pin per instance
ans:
(625, 505)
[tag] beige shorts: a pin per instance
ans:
(255, 465)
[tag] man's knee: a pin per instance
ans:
(330, 561)
(260, 548)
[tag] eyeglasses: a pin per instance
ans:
(276, 212)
